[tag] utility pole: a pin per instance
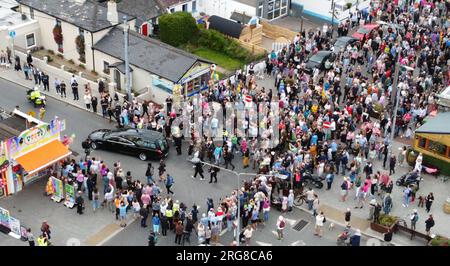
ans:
(238, 175)
(332, 18)
(127, 63)
(396, 92)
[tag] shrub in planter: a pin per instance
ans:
(71, 61)
(79, 41)
(60, 56)
(348, 5)
(439, 241)
(82, 66)
(57, 35)
(49, 59)
(50, 51)
(94, 72)
(385, 222)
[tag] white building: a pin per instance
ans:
(75, 18)
(267, 9)
(17, 31)
(322, 8)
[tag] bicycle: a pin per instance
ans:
(299, 198)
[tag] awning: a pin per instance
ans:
(44, 156)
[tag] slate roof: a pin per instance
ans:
(436, 125)
(149, 54)
(81, 15)
(142, 10)
(225, 26)
(168, 3)
(120, 66)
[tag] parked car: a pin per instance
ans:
(144, 143)
(342, 42)
(366, 30)
(319, 60)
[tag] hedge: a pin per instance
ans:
(216, 41)
(177, 28)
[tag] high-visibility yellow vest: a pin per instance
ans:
(41, 241)
(169, 213)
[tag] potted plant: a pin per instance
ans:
(384, 223)
(439, 241)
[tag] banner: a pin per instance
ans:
(57, 187)
(34, 137)
(4, 217)
(14, 225)
(70, 196)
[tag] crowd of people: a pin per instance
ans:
(335, 122)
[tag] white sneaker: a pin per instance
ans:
(192, 177)
(202, 179)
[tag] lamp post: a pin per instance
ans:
(238, 175)
(397, 97)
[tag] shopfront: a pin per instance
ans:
(34, 153)
(4, 163)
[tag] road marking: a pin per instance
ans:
(224, 231)
(73, 242)
(263, 243)
(290, 221)
(298, 243)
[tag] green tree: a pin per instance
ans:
(177, 28)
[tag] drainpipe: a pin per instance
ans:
(92, 51)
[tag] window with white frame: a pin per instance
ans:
(31, 41)
(105, 67)
(31, 13)
(185, 8)
(194, 6)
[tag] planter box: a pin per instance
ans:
(381, 228)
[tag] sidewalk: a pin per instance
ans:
(429, 184)
(31, 207)
(18, 77)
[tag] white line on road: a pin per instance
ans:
(298, 243)
(291, 221)
(263, 243)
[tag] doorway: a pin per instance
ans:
(117, 79)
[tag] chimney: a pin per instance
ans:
(112, 15)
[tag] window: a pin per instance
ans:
(105, 67)
(81, 31)
(260, 11)
(31, 13)
(30, 40)
(422, 142)
(184, 8)
(194, 6)
(437, 147)
(172, 10)
(58, 22)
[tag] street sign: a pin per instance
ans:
(12, 34)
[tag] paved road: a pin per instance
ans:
(266, 235)
(79, 122)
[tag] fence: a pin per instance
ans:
(254, 49)
(274, 32)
